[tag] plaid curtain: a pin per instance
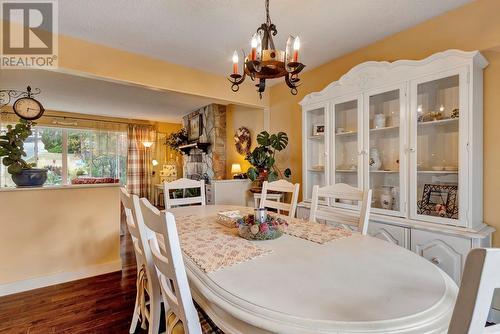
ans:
(138, 161)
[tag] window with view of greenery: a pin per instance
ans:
(91, 153)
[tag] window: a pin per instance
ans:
(97, 154)
(72, 153)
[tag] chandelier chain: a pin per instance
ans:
(268, 17)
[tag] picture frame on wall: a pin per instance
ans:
(439, 200)
(318, 129)
(195, 127)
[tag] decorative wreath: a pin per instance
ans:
(242, 141)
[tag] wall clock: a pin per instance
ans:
(28, 108)
(242, 141)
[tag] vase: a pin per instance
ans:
(379, 121)
(375, 162)
(386, 198)
(263, 174)
(33, 177)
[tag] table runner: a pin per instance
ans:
(213, 246)
(316, 232)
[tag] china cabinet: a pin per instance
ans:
(412, 132)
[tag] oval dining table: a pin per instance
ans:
(357, 284)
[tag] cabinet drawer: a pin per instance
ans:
(447, 252)
(396, 234)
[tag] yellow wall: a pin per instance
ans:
(236, 117)
(58, 232)
(472, 27)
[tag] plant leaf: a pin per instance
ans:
(263, 138)
(252, 173)
(279, 141)
(287, 172)
(273, 176)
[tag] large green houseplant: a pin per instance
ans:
(263, 158)
(12, 153)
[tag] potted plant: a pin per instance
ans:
(12, 150)
(263, 158)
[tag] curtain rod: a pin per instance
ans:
(83, 119)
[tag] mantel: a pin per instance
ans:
(187, 148)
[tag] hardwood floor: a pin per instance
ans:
(101, 304)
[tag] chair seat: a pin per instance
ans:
(207, 325)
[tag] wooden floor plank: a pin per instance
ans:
(101, 304)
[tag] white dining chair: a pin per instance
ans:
(167, 257)
(341, 191)
(183, 184)
(282, 186)
(480, 279)
(147, 280)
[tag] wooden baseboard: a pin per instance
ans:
(40, 282)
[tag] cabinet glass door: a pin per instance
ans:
(384, 167)
(436, 149)
(314, 154)
(347, 160)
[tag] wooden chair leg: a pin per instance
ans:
(135, 317)
(154, 315)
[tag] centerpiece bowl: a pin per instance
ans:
(264, 229)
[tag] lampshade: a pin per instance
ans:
(235, 168)
(147, 144)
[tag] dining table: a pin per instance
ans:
(353, 284)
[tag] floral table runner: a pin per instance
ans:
(213, 246)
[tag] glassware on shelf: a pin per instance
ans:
(386, 198)
(437, 147)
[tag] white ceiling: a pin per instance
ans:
(64, 92)
(204, 33)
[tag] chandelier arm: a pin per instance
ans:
(296, 69)
(293, 84)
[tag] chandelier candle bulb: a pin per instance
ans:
(254, 46)
(296, 47)
(235, 62)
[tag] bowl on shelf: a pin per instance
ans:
(451, 168)
(437, 168)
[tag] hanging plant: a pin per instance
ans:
(176, 139)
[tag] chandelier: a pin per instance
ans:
(266, 62)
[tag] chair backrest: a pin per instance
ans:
(140, 237)
(170, 265)
(280, 186)
(183, 184)
(344, 192)
(480, 279)
(128, 205)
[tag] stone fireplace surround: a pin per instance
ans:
(211, 165)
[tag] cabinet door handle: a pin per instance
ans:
(411, 150)
(435, 260)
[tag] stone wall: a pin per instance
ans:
(210, 165)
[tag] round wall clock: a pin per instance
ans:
(242, 141)
(28, 108)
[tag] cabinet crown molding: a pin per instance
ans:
(365, 75)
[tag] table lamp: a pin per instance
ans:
(236, 171)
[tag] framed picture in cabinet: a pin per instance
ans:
(439, 200)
